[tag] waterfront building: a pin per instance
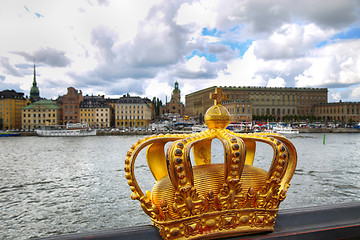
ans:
(34, 91)
(133, 112)
(70, 103)
(41, 113)
(175, 106)
(338, 111)
(265, 101)
(96, 112)
(11, 103)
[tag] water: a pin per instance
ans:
(51, 186)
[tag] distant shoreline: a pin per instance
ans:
(117, 133)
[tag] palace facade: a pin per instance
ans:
(338, 111)
(240, 110)
(262, 101)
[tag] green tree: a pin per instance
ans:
(157, 104)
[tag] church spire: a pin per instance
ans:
(34, 81)
(34, 91)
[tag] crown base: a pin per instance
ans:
(235, 222)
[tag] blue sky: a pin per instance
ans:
(142, 47)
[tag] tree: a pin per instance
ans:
(157, 104)
(351, 122)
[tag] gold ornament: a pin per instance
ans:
(212, 200)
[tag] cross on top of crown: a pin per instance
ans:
(218, 96)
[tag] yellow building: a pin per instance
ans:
(41, 113)
(96, 112)
(102, 117)
(11, 103)
(87, 115)
(133, 112)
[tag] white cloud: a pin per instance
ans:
(200, 13)
(291, 41)
(336, 64)
(114, 47)
(160, 89)
(276, 82)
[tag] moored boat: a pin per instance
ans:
(198, 128)
(71, 130)
(9, 134)
(285, 129)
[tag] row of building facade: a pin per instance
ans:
(19, 112)
(96, 111)
(244, 104)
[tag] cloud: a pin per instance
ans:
(115, 47)
(104, 38)
(10, 69)
(291, 41)
(199, 13)
(276, 82)
(329, 14)
(223, 52)
(336, 64)
(261, 16)
(103, 2)
(48, 56)
(158, 88)
(159, 43)
(198, 67)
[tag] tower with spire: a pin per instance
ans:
(34, 91)
(175, 106)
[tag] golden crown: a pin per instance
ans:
(212, 200)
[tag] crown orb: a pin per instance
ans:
(217, 117)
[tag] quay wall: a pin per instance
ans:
(301, 130)
(329, 130)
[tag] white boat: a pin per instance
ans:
(285, 130)
(199, 128)
(268, 131)
(70, 130)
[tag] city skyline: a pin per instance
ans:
(142, 47)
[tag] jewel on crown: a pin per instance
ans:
(212, 200)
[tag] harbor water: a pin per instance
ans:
(58, 185)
